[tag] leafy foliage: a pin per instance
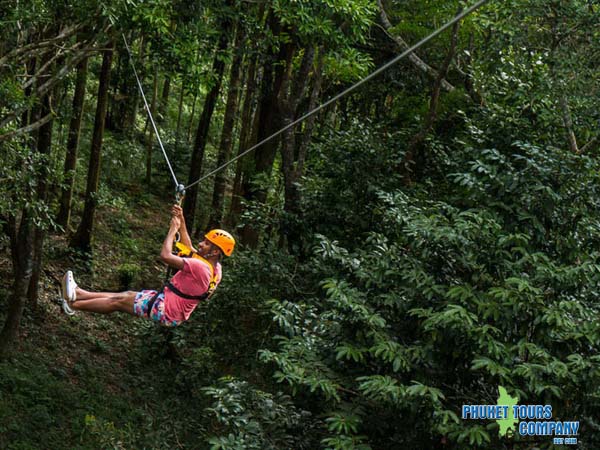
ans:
(413, 289)
(249, 418)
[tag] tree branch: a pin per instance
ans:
(67, 32)
(475, 95)
(42, 69)
(50, 83)
(566, 117)
(589, 144)
(415, 142)
(422, 65)
(310, 122)
(29, 128)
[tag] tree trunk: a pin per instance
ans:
(150, 135)
(412, 57)
(218, 68)
(294, 154)
(179, 113)
(196, 89)
(269, 122)
(475, 95)
(82, 239)
(123, 101)
(231, 107)
(64, 214)
(289, 110)
(165, 97)
(559, 85)
(133, 89)
(192, 114)
(309, 124)
(249, 233)
(270, 119)
(30, 70)
(21, 244)
(115, 106)
(244, 142)
(44, 146)
(22, 258)
(417, 140)
(568, 123)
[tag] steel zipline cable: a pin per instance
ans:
(180, 188)
(347, 91)
(139, 83)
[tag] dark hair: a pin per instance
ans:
(215, 247)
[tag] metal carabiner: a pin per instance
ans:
(179, 194)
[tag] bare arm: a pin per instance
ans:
(183, 232)
(165, 254)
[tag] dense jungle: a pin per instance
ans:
(423, 240)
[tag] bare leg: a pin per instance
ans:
(103, 304)
(87, 295)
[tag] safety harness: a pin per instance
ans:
(186, 252)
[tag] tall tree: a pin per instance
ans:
(248, 120)
(82, 239)
(21, 233)
(44, 146)
(27, 236)
(295, 145)
(179, 113)
(133, 93)
(164, 98)
(226, 143)
(246, 127)
(150, 132)
(413, 153)
(64, 213)
(218, 69)
(276, 73)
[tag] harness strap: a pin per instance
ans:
(186, 252)
(187, 296)
(152, 301)
(170, 285)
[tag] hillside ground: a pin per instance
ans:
(83, 379)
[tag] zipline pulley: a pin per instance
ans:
(179, 194)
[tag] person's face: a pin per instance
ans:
(205, 248)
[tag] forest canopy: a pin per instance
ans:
(411, 248)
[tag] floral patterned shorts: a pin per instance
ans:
(140, 307)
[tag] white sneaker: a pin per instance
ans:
(67, 308)
(64, 304)
(68, 287)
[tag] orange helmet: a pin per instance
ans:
(221, 239)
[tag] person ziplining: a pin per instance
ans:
(198, 275)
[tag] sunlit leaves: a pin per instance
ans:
(347, 65)
(321, 20)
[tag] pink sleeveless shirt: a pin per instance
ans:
(193, 279)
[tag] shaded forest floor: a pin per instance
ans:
(83, 380)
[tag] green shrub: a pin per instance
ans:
(127, 274)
